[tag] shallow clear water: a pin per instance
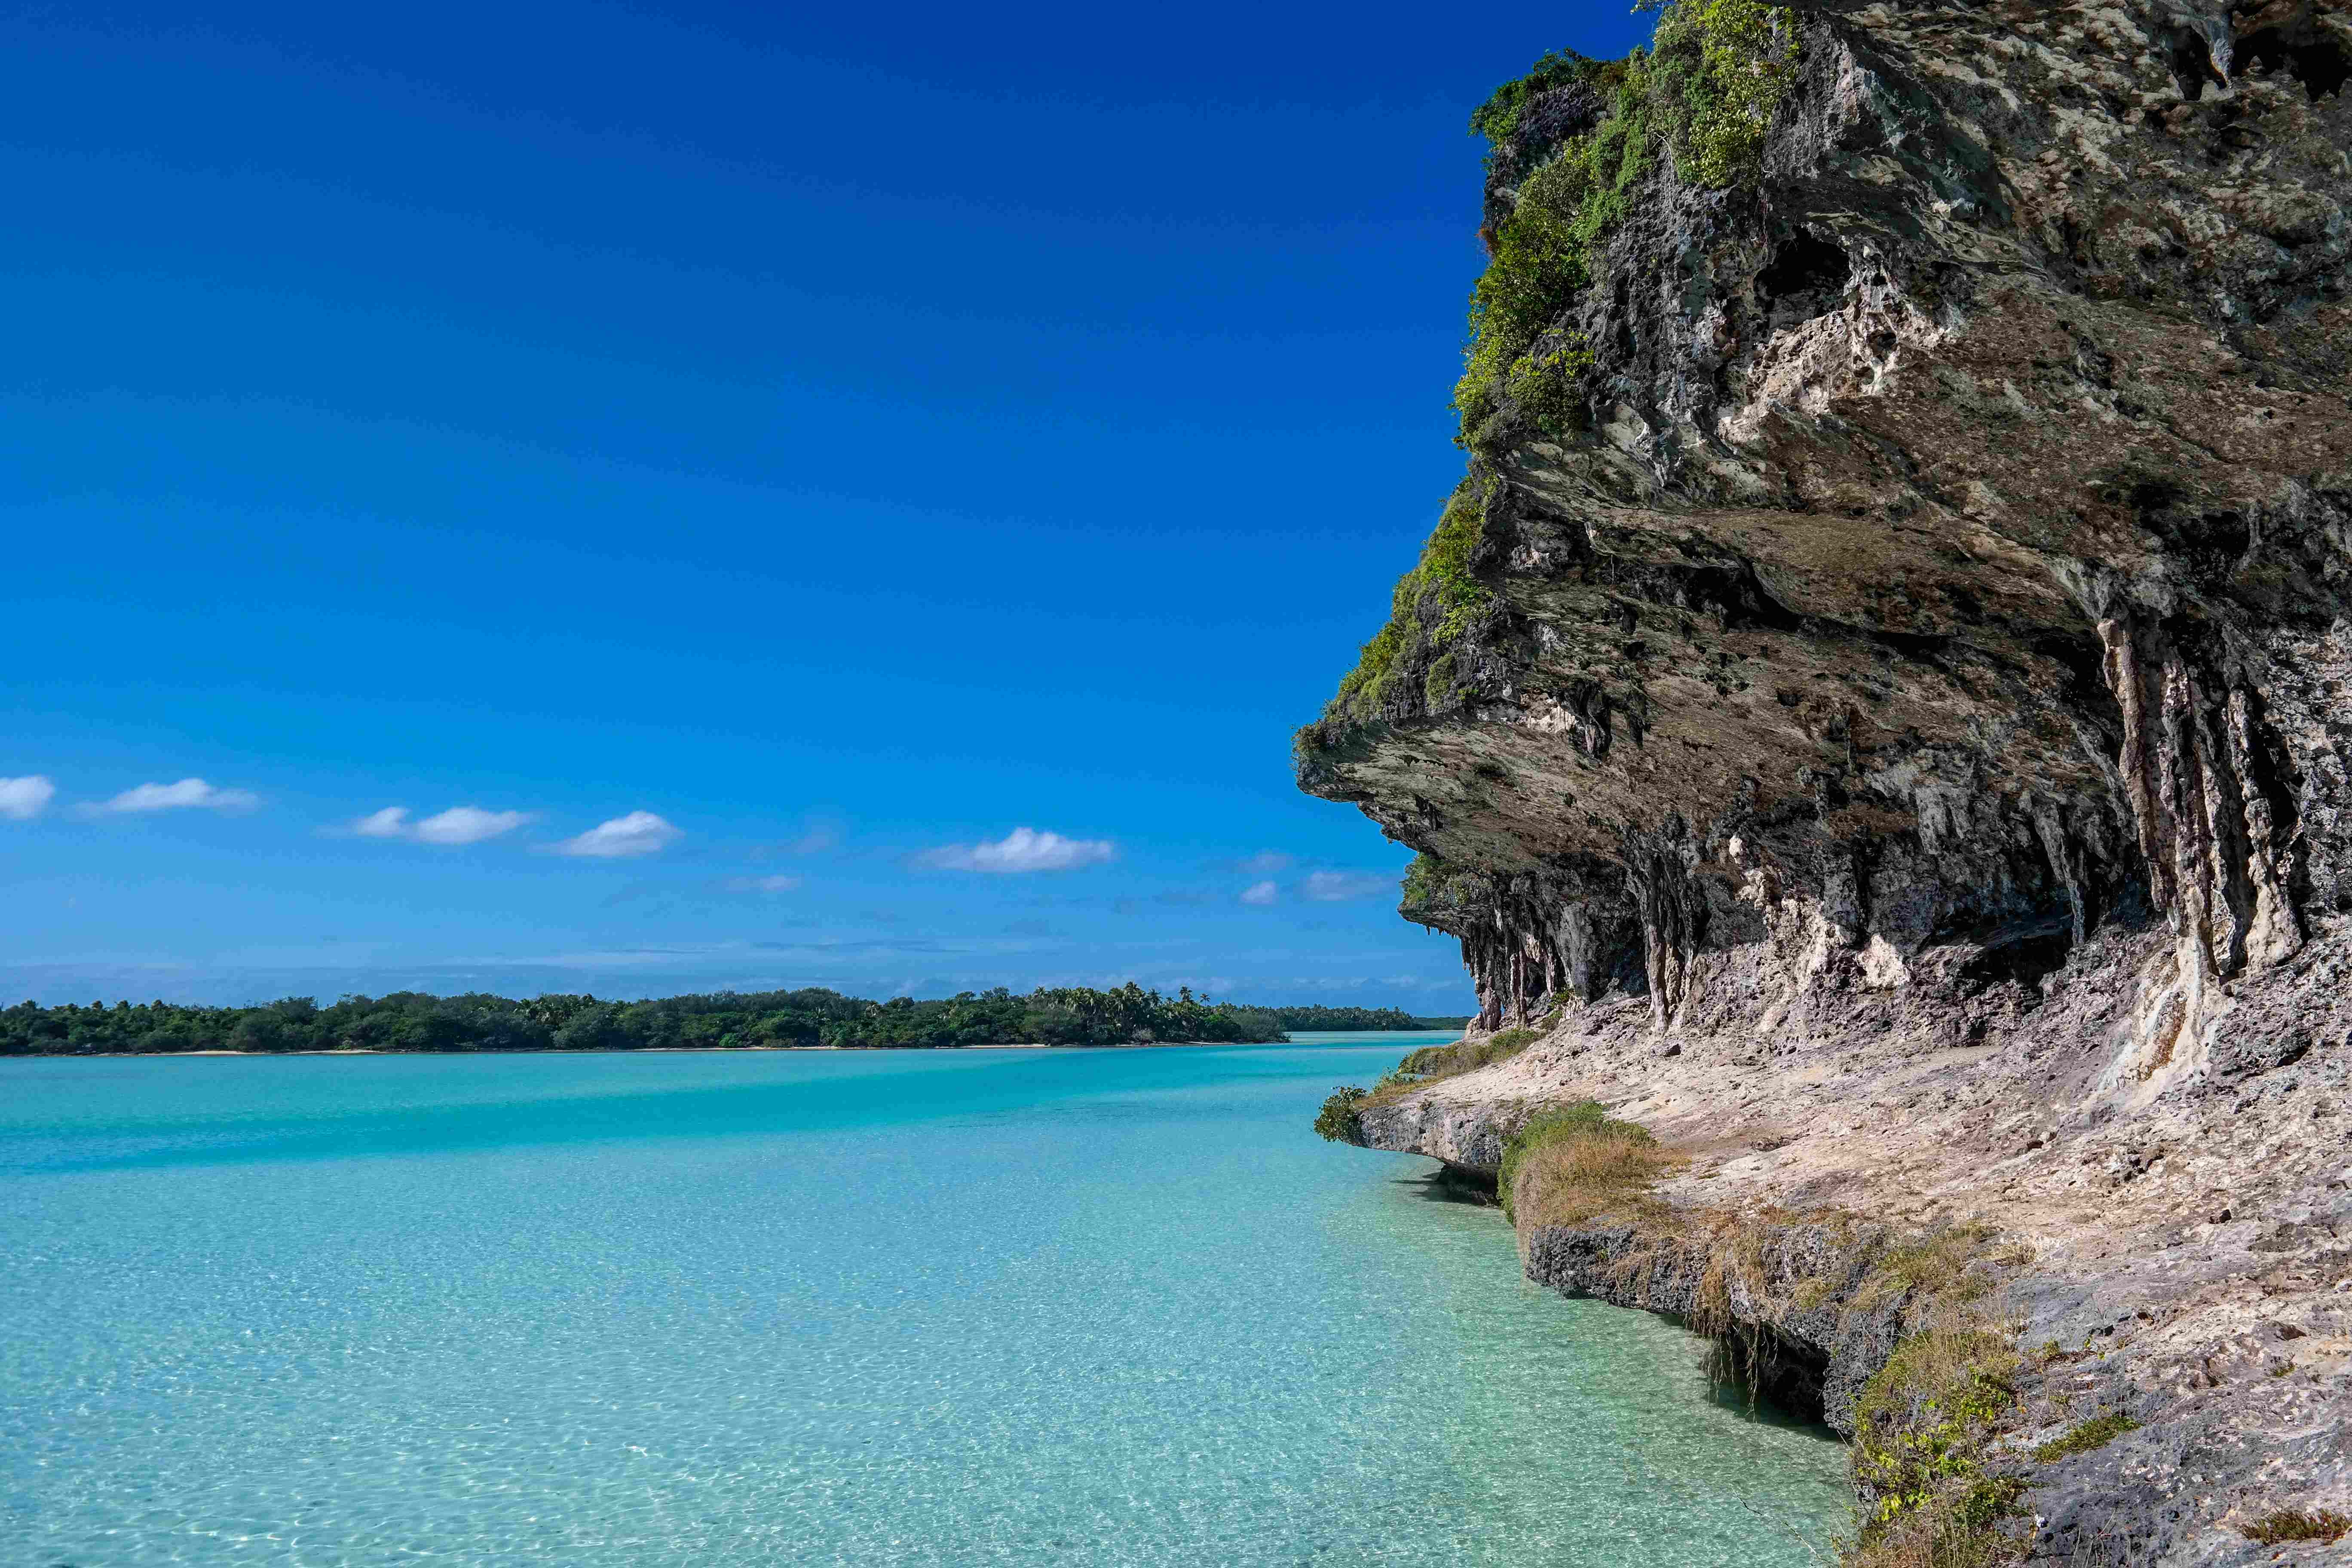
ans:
(953, 1308)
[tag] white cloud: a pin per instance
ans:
(26, 798)
(1265, 863)
(761, 884)
(458, 826)
(639, 833)
(1330, 886)
(467, 824)
(1259, 893)
(173, 796)
(1023, 849)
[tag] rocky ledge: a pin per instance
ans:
(1881, 708)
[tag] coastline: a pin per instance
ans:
(658, 1050)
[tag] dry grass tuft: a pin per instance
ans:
(2287, 1524)
(1431, 1063)
(1581, 1175)
(1946, 1266)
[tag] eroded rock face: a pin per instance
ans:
(1954, 556)
(1927, 650)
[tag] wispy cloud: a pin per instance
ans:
(1023, 849)
(173, 798)
(468, 824)
(819, 835)
(639, 832)
(1260, 893)
(1265, 863)
(22, 800)
(759, 884)
(1330, 886)
(458, 826)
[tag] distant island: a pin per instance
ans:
(725, 1020)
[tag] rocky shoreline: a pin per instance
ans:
(2188, 1266)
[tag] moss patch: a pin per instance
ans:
(2096, 1432)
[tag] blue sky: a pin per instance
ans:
(747, 464)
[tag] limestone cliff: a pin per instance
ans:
(1881, 703)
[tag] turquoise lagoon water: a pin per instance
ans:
(953, 1308)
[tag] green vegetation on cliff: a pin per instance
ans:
(1705, 92)
(1574, 146)
(410, 1021)
(1429, 609)
(1341, 1120)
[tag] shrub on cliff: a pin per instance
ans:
(1443, 897)
(1721, 68)
(1340, 1119)
(1923, 1441)
(1572, 145)
(1938, 1490)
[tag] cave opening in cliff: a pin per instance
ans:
(1750, 1367)
(2025, 958)
(2191, 58)
(1804, 266)
(2314, 59)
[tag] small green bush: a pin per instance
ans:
(1543, 388)
(1725, 65)
(1923, 1434)
(2096, 1432)
(1341, 1121)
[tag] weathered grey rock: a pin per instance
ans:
(1909, 764)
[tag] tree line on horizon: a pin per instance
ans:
(415, 1021)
